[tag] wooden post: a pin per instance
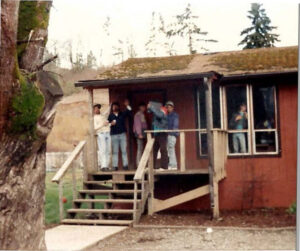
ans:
(209, 127)
(85, 161)
(135, 202)
(74, 181)
(92, 155)
(182, 151)
(60, 197)
(151, 181)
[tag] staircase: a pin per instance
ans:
(107, 199)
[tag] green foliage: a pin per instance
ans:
(32, 15)
(27, 107)
(293, 208)
(186, 26)
(259, 34)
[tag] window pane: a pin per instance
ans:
(264, 107)
(202, 107)
(203, 148)
(238, 142)
(215, 106)
(236, 97)
(265, 142)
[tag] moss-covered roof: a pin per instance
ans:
(274, 59)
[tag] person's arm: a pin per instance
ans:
(137, 124)
(176, 122)
(157, 113)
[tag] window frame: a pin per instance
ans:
(251, 131)
(275, 130)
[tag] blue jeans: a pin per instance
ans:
(104, 148)
(119, 140)
(239, 142)
(140, 149)
(171, 150)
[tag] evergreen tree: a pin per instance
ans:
(259, 34)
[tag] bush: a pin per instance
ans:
(293, 208)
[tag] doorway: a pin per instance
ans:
(137, 97)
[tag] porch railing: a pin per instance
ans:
(60, 174)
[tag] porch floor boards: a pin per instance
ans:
(157, 172)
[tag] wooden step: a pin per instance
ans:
(130, 172)
(107, 182)
(97, 222)
(108, 191)
(110, 211)
(105, 200)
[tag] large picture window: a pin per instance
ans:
(248, 113)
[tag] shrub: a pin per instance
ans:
(293, 208)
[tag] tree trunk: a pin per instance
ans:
(22, 159)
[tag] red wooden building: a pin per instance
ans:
(249, 167)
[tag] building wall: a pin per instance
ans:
(251, 182)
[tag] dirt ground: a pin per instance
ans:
(250, 229)
(247, 218)
(197, 239)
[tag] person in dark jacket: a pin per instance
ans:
(173, 124)
(159, 122)
(118, 130)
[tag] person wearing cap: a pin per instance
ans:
(139, 126)
(173, 124)
(102, 129)
(159, 122)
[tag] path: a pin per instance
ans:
(73, 237)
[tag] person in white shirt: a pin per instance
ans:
(102, 128)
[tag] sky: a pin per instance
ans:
(80, 23)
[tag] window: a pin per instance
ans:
(237, 119)
(264, 120)
(202, 114)
(250, 118)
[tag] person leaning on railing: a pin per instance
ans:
(159, 122)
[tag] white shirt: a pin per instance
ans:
(99, 122)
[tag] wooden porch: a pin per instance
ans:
(126, 195)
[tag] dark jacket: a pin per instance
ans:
(160, 119)
(173, 123)
(120, 126)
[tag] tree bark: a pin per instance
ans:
(22, 160)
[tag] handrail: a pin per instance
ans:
(144, 159)
(184, 130)
(64, 168)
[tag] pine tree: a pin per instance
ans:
(259, 34)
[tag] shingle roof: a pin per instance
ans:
(276, 59)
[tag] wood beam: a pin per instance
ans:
(160, 205)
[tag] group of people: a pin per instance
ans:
(110, 127)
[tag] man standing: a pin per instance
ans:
(139, 126)
(173, 124)
(239, 122)
(102, 128)
(159, 122)
(118, 134)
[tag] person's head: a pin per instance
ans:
(243, 107)
(142, 107)
(115, 107)
(170, 106)
(97, 108)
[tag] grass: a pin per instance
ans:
(52, 203)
